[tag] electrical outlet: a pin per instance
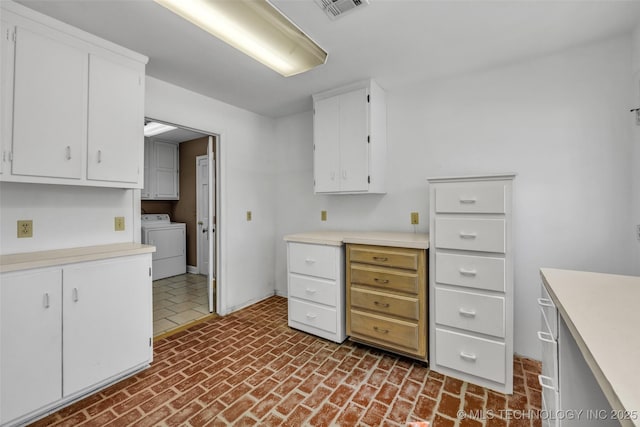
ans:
(248, 215)
(323, 215)
(638, 231)
(25, 228)
(415, 218)
(118, 224)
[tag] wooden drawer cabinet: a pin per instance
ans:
(387, 298)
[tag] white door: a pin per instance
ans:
(326, 158)
(30, 341)
(354, 148)
(6, 101)
(166, 170)
(202, 201)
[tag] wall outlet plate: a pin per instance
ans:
(323, 215)
(415, 218)
(25, 228)
(118, 223)
(248, 215)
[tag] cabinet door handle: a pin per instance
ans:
(468, 357)
(382, 331)
(546, 337)
(344, 174)
(75, 295)
(468, 200)
(468, 272)
(68, 151)
(380, 258)
(310, 261)
(333, 176)
(381, 304)
(546, 382)
(99, 156)
(464, 235)
(545, 302)
(467, 313)
(311, 316)
(383, 281)
(46, 300)
(310, 291)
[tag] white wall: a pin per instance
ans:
(248, 180)
(635, 103)
(560, 122)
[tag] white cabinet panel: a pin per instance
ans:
(313, 289)
(480, 197)
(161, 171)
(313, 260)
(486, 235)
(354, 150)
(471, 271)
(106, 320)
(115, 136)
(326, 160)
(49, 113)
(471, 311)
(313, 315)
(6, 88)
(30, 341)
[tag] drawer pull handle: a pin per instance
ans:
(311, 316)
(380, 258)
(382, 331)
(68, 152)
(546, 382)
(46, 300)
(311, 291)
(468, 272)
(383, 281)
(467, 313)
(468, 200)
(75, 295)
(381, 304)
(464, 235)
(468, 357)
(546, 337)
(310, 261)
(545, 302)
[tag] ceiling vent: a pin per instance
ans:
(337, 8)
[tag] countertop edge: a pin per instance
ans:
(383, 242)
(338, 238)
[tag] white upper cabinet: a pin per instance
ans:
(350, 141)
(72, 105)
(161, 171)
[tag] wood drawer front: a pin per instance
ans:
(478, 234)
(312, 289)
(385, 278)
(313, 315)
(471, 311)
(476, 356)
(471, 271)
(481, 197)
(313, 260)
(388, 257)
(384, 303)
(385, 330)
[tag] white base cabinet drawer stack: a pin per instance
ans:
(471, 279)
(315, 277)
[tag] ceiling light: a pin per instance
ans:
(155, 128)
(256, 28)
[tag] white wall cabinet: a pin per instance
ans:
(350, 139)
(162, 180)
(72, 107)
(70, 329)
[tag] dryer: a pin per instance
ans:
(169, 238)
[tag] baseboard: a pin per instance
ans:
(191, 269)
(282, 293)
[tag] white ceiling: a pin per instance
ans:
(396, 42)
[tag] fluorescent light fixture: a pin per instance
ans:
(256, 28)
(155, 128)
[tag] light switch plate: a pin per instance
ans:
(415, 218)
(25, 228)
(248, 215)
(323, 215)
(118, 223)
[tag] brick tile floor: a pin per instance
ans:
(249, 368)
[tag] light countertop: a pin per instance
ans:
(601, 312)
(377, 238)
(29, 260)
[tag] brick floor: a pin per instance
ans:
(249, 368)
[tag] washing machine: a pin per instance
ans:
(169, 238)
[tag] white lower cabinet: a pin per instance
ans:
(69, 330)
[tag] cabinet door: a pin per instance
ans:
(146, 189)
(50, 105)
(6, 88)
(354, 150)
(326, 139)
(107, 320)
(116, 121)
(166, 170)
(30, 341)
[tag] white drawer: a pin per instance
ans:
(549, 311)
(312, 289)
(475, 356)
(549, 353)
(477, 234)
(470, 311)
(550, 408)
(313, 260)
(479, 197)
(471, 271)
(313, 315)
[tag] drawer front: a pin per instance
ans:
(481, 197)
(384, 303)
(386, 257)
(549, 353)
(475, 356)
(551, 407)
(487, 235)
(470, 311)
(549, 311)
(313, 260)
(313, 315)
(387, 330)
(384, 278)
(471, 271)
(312, 289)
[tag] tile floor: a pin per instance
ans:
(249, 368)
(178, 300)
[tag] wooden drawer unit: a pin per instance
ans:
(471, 279)
(387, 298)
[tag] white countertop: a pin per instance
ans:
(602, 313)
(29, 260)
(377, 238)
